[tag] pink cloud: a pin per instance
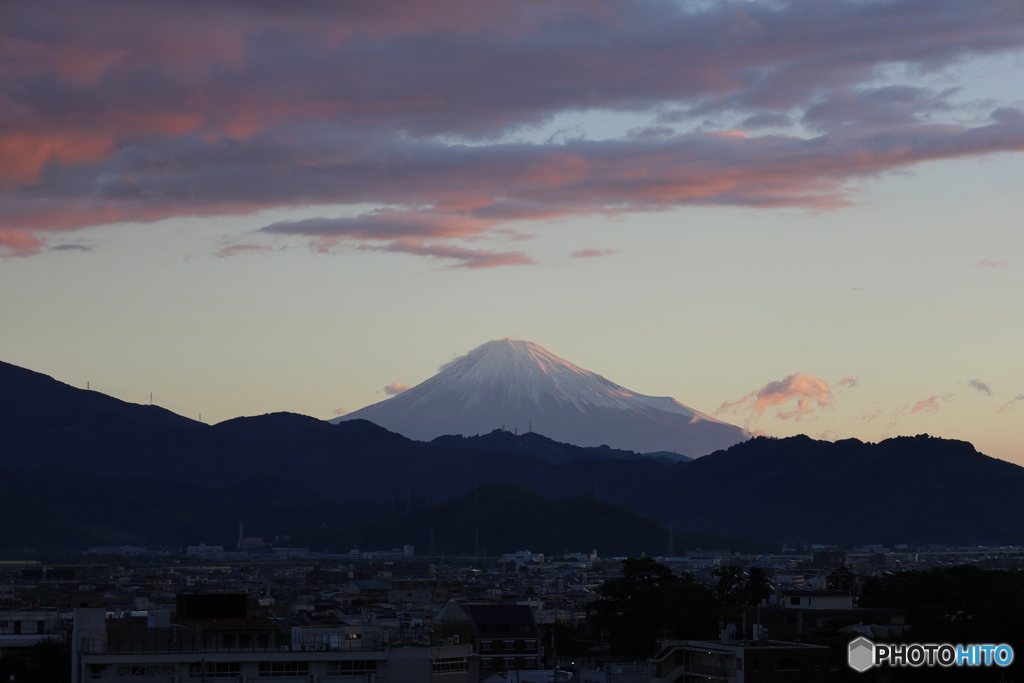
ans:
(341, 411)
(806, 392)
(237, 249)
(19, 243)
(156, 110)
(930, 404)
(1011, 403)
(848, 380)
(989, 263)
(591, 253)
(464, 258)
(396, 388)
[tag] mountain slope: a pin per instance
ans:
(904, 489)
(510, 383)
(549, 449)
(505, 518)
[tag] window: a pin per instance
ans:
(486, 663)
(509, 662)
(508, 645)
(97, 672)
(739, 663)
(531, 645)
(292, 669)
(794, 600)
(244, 641)
(228, 640)
(755, 664)
(40, 627)
(262, 641)
(531, 663)
(215, 670)
(134, 670)
(351, 668)
(486, 646)
(446, 665)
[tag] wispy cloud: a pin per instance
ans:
(989, 263)
(981, 386)
(70, 247)
(803, 393)
(236, 249)
(396, 388)
(930, 404)
(592, 253)
(462, 257)
(848, 381)
(1011, 403)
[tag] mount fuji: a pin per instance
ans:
(511, 383)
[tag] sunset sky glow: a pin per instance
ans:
(800, 216)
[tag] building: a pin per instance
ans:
(418, 591)
(201, 646)
(688, 661)
(505, 637)
(24, 628)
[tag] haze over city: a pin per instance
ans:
(798, 217)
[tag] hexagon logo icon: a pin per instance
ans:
(861, 654)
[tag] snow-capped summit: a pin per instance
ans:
(513, 383)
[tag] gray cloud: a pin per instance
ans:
(154, 110)
(981, 386)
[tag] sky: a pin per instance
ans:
(799, 216)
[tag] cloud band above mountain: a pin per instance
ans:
(156, 110)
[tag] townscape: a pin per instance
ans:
(256, 611)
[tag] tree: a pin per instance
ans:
(48, 661)
(758, 586)
(840, 579)
(647, 602)
(730, 587)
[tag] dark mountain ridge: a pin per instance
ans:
(549, 449)
(906, 489)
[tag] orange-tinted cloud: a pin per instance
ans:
(989, 263)
(19, 243)
(806, 392)
(396, 388)
(930, 404)
(154, 110)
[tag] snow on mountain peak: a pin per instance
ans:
(516, 370)
(517, 383)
